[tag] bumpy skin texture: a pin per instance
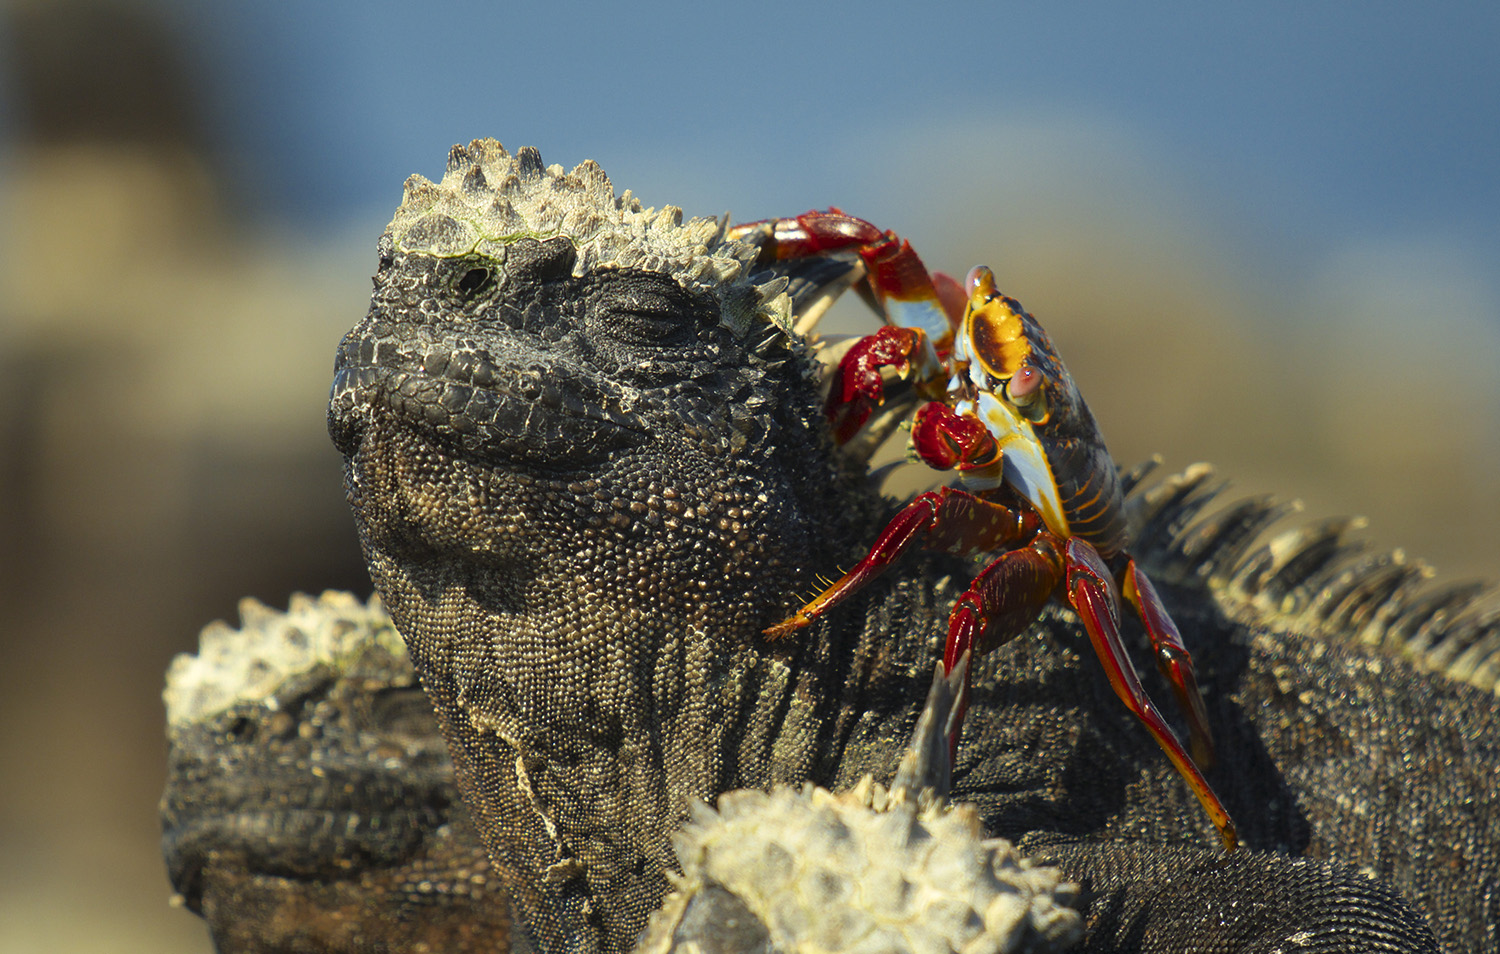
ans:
(641, 500)
(310, 804)
(586, 480)
(310, 808)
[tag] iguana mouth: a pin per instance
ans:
(536, 414)
(271, 836)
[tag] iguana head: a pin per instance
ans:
(529, 319)
(309, 795)
(536, 342)
(525, 313)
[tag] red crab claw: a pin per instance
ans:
(944, 440)
(858, 387)
(897, 284)
(943, 519)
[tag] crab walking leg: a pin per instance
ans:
(1172, 659)
(1091, 593)
(999, 604)
(942, 519)
(897, 285)
(1004, 599)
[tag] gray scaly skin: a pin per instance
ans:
(310, 803)
(587, 464)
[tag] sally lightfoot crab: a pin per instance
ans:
(1036, 482)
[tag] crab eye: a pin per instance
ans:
(1022, 387)
(1024, 390)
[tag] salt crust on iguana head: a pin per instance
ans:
(489, 199)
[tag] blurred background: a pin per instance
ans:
(1263, 236)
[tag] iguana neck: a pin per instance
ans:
(601, 633)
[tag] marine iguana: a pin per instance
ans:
(309, 803)
(585, 457)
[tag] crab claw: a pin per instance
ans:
(859, 388)
(944, 440)
(897, 284)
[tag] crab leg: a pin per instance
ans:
(942, 519)
(1003, 600)
(898, 285)
(999, 604)
(1006, 597)
(1091, 594)
(1172, 658)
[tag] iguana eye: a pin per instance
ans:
(645, 326)
(474, 282)
(646, 312)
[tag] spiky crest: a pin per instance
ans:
(247, 663)
(488, 199)
(1312, 577)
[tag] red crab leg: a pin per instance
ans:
(999, 604)
(1091, 593)
(1172, 659)
(942, 519)
(1004, 599)
(897, 282)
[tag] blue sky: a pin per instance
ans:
(1305, 118)
(1287, 211)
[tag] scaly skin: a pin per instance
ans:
(588, 468)
(310, 806)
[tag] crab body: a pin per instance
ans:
(1036, 486)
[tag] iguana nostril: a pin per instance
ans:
(474, 281)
